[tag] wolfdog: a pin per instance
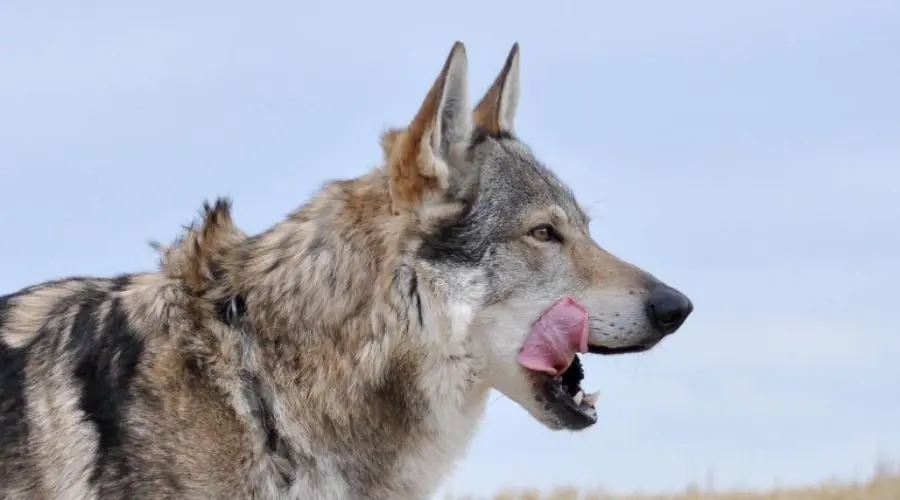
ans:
(346, 352)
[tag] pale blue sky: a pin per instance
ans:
(746, 152)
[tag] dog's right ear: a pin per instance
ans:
(424, 159)
(496, 112)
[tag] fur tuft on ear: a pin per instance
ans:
(496, 112)
(422, 158)
(193, 258)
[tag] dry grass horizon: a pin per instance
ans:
(882, 484)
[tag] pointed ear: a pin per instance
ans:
(496, 112)
(423, 157)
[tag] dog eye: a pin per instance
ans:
(544, 233)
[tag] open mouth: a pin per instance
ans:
(550, 353)
(564, 398)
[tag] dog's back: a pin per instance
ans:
(60, 371)
(69, 356)
(95, 400)
(135, 386)
(16, 462)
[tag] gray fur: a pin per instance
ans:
(345, 352)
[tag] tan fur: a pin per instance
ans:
(345, 352)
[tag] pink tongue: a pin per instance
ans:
(559, 333)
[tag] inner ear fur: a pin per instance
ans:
(496, 112)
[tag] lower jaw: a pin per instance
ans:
(572, 412)
(572, 420)
(559, 405)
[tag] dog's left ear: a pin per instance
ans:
(426, 159)
(496, 112)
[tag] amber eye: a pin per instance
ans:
(544, 233)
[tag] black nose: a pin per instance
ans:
(668, 308)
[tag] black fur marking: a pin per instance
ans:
(194, 367)
(265, 414)
(417, 299)
(259, 399)
(13, 426)
(106, 356)
(232, 310)
(457, 242)
(121, 282)
(4, 307)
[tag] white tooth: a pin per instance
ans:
(591, 399)
(578, 397)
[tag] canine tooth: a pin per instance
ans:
(591, 399)
(578, 397)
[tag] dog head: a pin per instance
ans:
(517, 259)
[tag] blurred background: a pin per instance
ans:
(747, 153)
